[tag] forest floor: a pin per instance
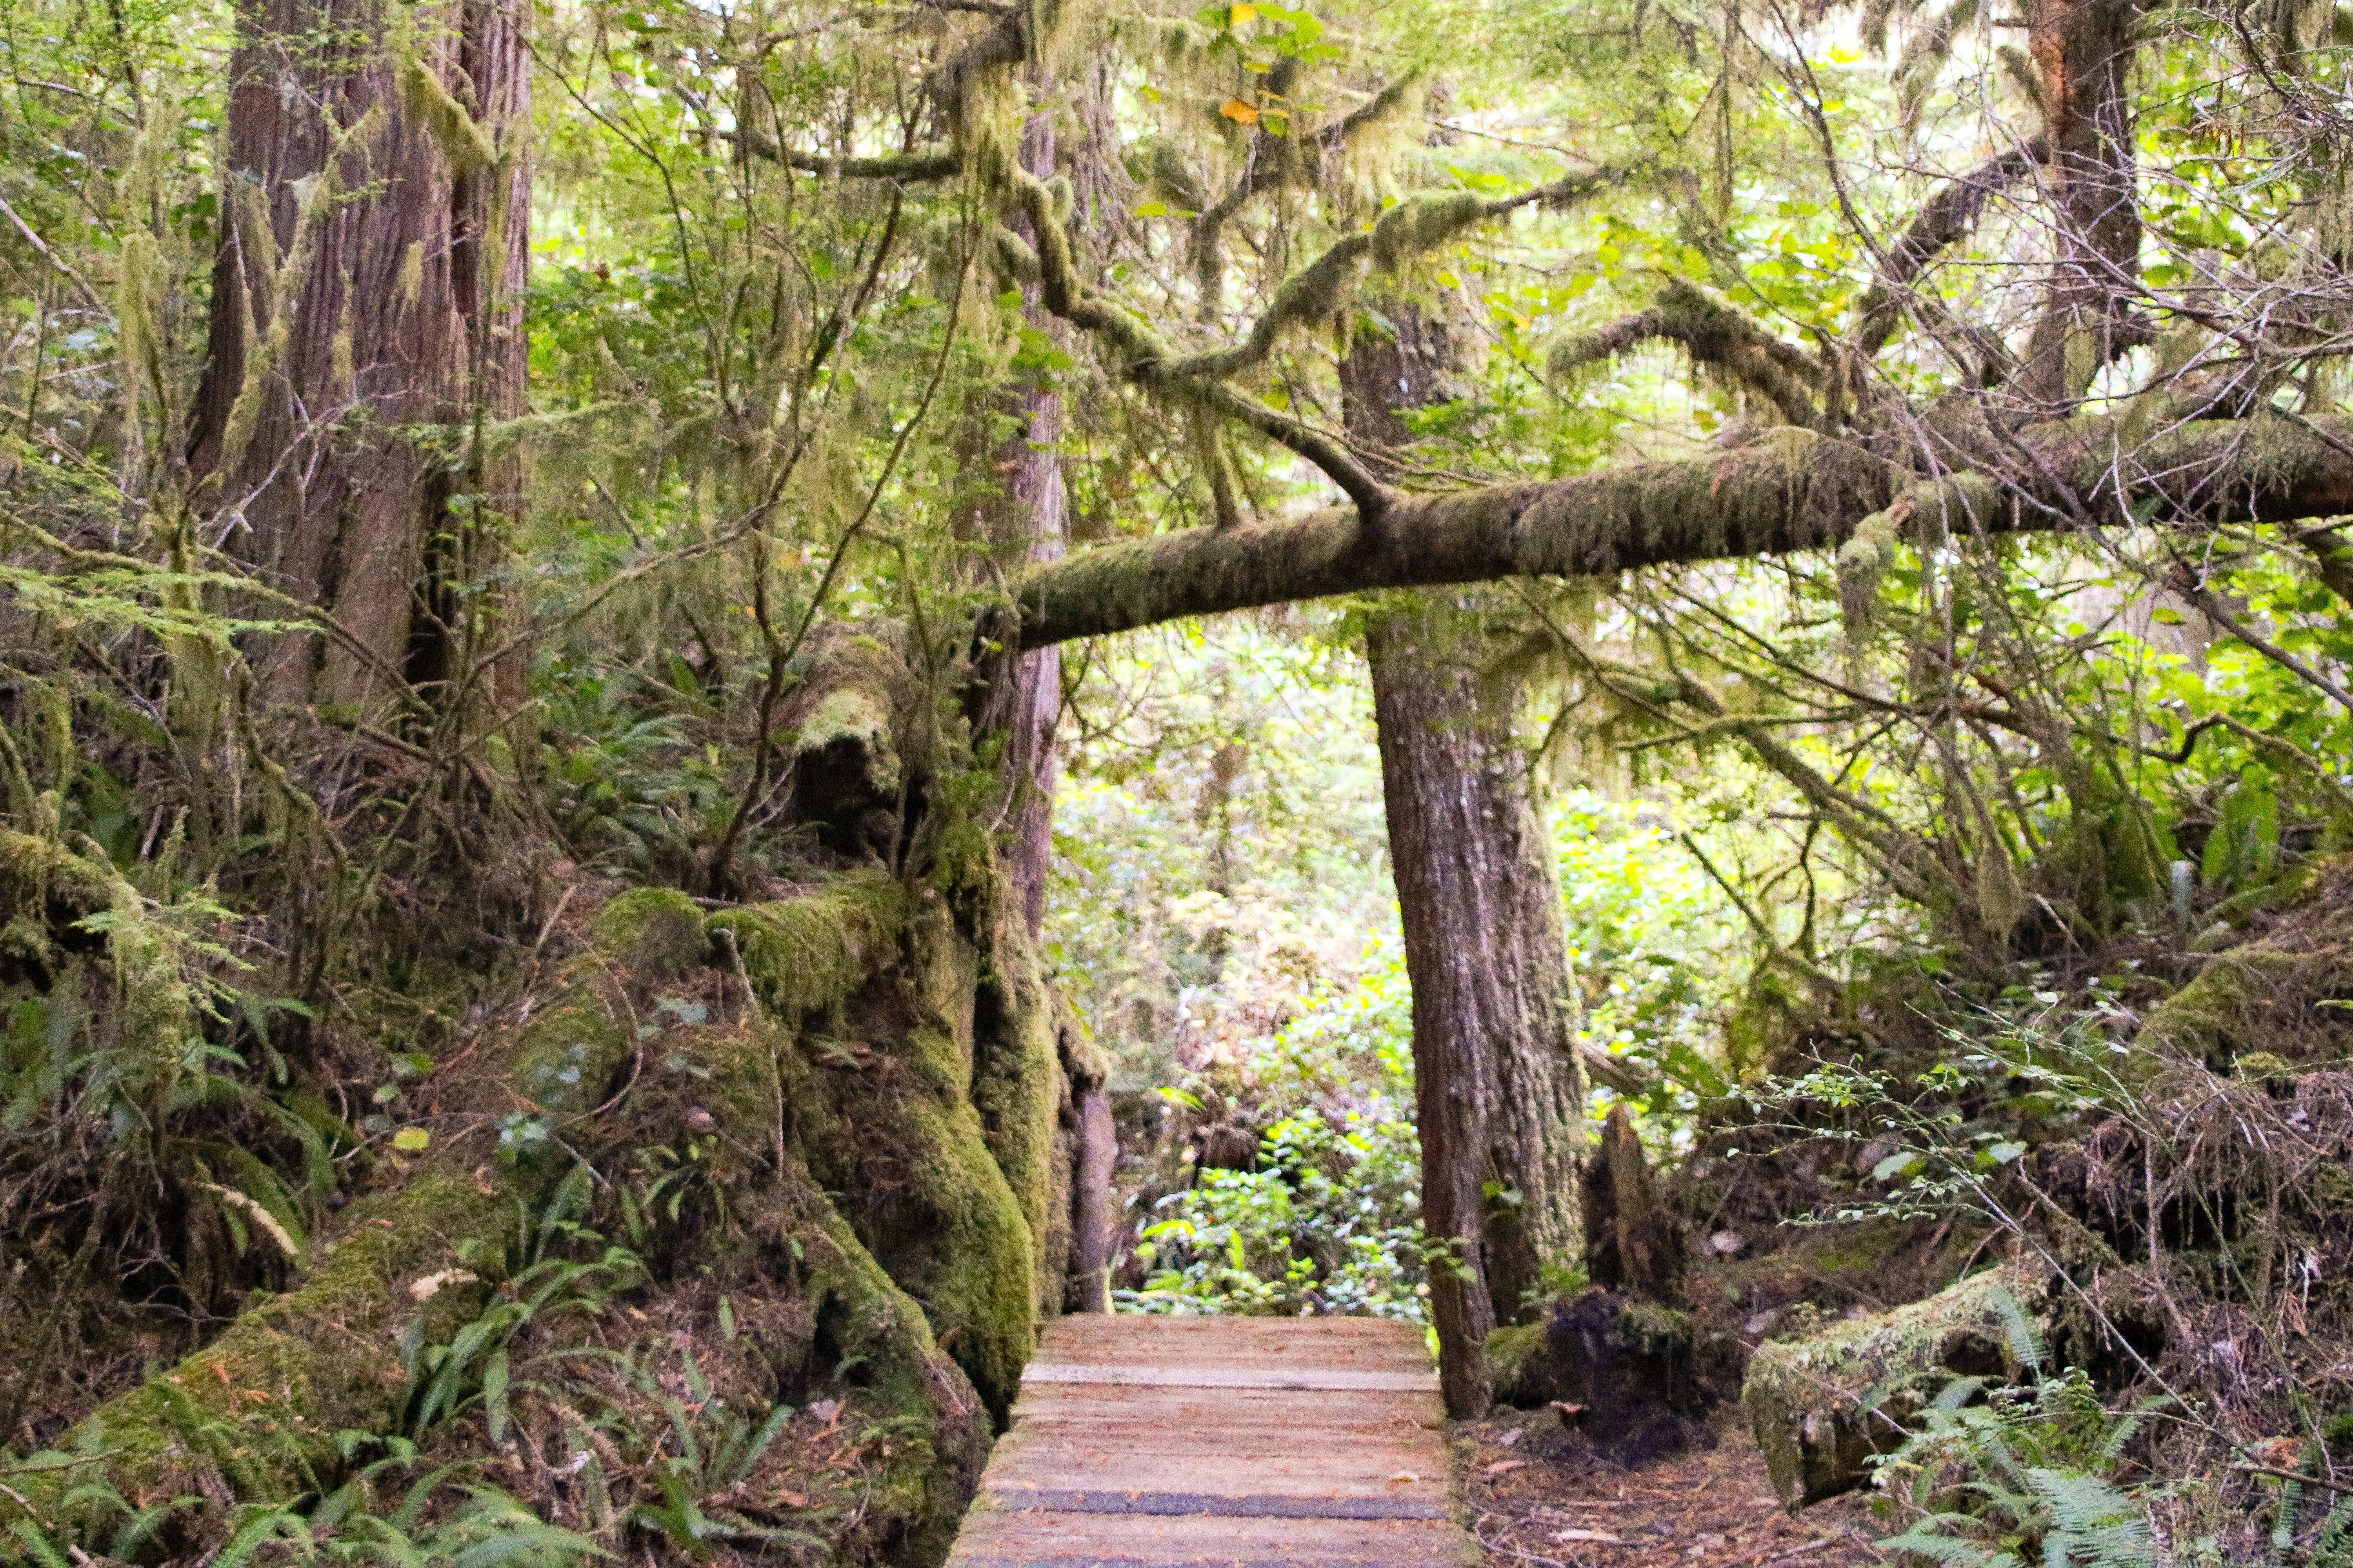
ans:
(1541, 1498)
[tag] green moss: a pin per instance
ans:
(804, 953)
(2270, 996)
(943, 1438)
(654, 935)
(1518, 1365)
(1806, 1399)
(1017, 1080)
(973, 1265)
(44, 888)
(262, 1403)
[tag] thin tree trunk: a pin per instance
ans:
(1499, 1095)
(1090, 1206)
(2083, 52)
(366, 322)
(1024, 525)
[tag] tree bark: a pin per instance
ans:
(1499, 1097)
(1090, 1206)
(1791, 493)
(1633, 1242)
(2083, 51)
(1026, 523)
(366, 322)
(1497, 1091)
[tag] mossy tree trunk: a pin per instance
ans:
(366, 324)
(1500, 1096)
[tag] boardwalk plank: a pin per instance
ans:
(1220, 1442)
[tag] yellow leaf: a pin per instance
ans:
(412, 1139)
(1242, 113)
(1241, 13)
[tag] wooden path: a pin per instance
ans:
(1149, 1442)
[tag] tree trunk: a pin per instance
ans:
(1499, 1095)
(1026, 523)
(366, 322)
(2083, 51)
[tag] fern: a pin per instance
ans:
(2034, 1467)
(2025, 1338)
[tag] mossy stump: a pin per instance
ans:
(1622, 1372)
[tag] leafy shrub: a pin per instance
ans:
(1330, 1220)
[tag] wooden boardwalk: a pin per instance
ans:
(1221, 1443)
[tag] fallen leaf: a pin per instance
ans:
(1502, 1466)
(412, 1139)
(1600, 1536)
(1405, 1476)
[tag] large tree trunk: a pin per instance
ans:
(1498, 1092)
(1499, 1095)
(366, 322)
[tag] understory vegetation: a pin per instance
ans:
(705, 706)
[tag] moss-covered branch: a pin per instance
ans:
(1793, 491)
(903, 166)
(1715, 335)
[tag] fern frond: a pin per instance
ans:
(2127, 1426)
(2026, 1344)
(1949, 1551)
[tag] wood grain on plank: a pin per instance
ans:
(994, 1537)
(1238, 1443)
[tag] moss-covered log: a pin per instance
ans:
(1823, 1407)
(260, 1405)
(1791, 491)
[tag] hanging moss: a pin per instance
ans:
(46, 889)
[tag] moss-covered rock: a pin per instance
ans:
(1823, 1407)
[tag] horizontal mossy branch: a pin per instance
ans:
(1791, 492)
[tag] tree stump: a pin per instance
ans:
(1633, 1243)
